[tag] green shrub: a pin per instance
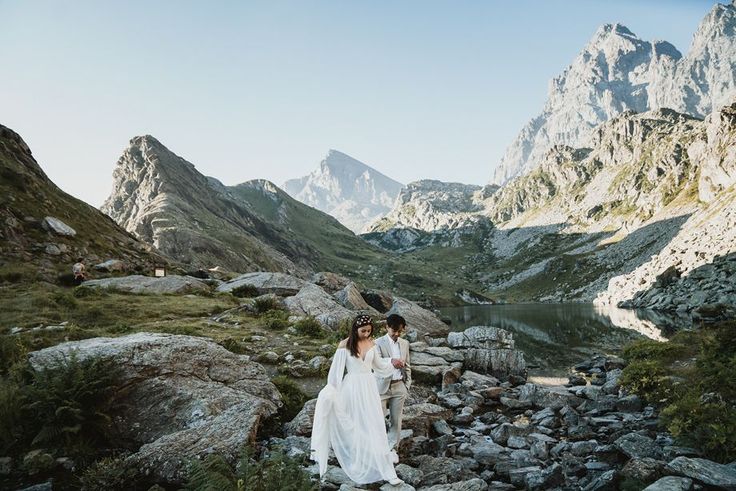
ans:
(108, 473)
(648, 379)
(245, 291)
(11, 407)
(310, 327)
(275, 472)
(64, 300)
(292, 397)
(69, 406)
(275, 320)
(264, 304)
(234, 346)
(12, 350)
(342, 331)
(696, 398)
(211, 474)
(86, 292)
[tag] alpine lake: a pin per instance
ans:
(554, 337)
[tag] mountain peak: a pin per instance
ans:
(614, 29)
(346, 188)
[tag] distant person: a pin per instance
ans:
(394, 389)
(348, 417)
(80, 271)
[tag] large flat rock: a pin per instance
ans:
(278, 283)
(185, 397)
(150, 284)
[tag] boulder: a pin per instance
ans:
(330, 282)
(638, 446)
(313, 301)
(420, 320)
(554, 397)
(301, 425)
(379, 300)
(420, 417)
(481, 337)
(671, 483)
(705, 471)
(150, 284)
(469, 485)
(110, 266)
(477, 381)
(278, 283)
(350, 298)
(185, 397)
(56, 226)
(497, 362)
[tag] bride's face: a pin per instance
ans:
(364, 332)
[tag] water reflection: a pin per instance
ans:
(556, 336)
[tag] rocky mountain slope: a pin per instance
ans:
(43, 230)
(651, 188)
(618, 72)
(165, 201)
(347, 189)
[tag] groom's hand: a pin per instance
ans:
(397, 363)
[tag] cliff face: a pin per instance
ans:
(36, 247)
(618, 72)
(254, 226)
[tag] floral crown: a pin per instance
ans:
(363, 320)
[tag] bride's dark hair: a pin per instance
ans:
(358, 322)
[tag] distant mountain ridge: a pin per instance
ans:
(253, 226)
(33, 252)
(618, 72)
(349, 190)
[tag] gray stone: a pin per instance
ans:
(301, 425)
(420, 417)
(6, 466)
(110, 266)
(629, 404)
(706, 471)
(185, 397)
(408, 474)
(551, 477)
(350, 298)
(554, 397)
(608, 481)
(635, 445)
(38, 462)
(481, 337)
(313, 301)
(418, 319)
(671, 483)
(278, 283)
(646, 469)
(150, 284)
(56, 226)
(469, 485)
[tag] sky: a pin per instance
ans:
(263, 89)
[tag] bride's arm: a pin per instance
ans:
(382, 366)
(337, 369)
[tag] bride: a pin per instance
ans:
(348, 416)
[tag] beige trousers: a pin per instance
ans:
(393, 405)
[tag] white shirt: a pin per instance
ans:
(395, 353)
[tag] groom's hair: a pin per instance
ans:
(395, 321)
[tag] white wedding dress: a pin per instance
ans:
(349, 419)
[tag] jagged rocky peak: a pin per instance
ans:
(347, 189)
(617, 72)
(431, 205)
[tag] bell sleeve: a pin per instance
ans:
(382, 367)
(324, 411)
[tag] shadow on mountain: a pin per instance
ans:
(537, 263)
(700, 290)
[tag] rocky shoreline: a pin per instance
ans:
(477, 432)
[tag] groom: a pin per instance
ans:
(395, 388)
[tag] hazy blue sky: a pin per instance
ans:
(416, 89)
